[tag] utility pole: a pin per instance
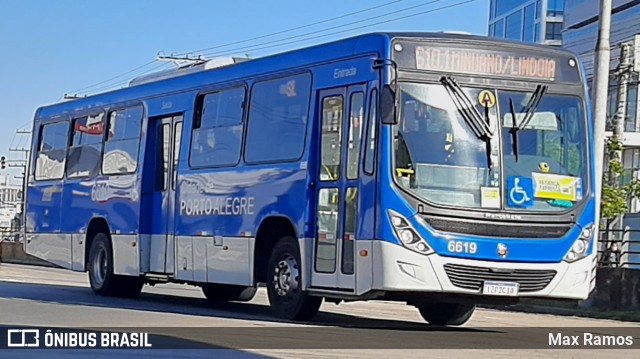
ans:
(600, 89)
(22, 163)
(623, 73)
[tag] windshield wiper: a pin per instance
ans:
(514, 130)
(532, 105)
(488, 139)
(529, 110)
(480, 126)
(469, 112)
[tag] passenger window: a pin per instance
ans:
(370, 149)
(332, 110)
(85, 153)
(350, 218)
(327, 229)
(123, 141)
(217, 130)
(278, 115)
(177, 138)
(356, 118)
(52, 150)
(162, 156)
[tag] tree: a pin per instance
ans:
(615, 192)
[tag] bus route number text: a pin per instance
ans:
(462, 247)
(486, 63)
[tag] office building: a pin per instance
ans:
(580, 33)
(538, 21)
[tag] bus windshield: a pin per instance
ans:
(544, 152)
(535, 158)
(438, 157)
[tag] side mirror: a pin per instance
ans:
(388, 106)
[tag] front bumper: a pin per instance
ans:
(398, 269)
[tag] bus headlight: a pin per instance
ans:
(579, 248)
(407, 235)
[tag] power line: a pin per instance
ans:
(249, 47)
(352, 29)
(261, 47)
(295, 28)
(243, 41)
(115, 77)
(123, 82)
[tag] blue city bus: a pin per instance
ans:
(441, 170)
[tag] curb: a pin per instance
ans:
(37, 263)
(627, 316)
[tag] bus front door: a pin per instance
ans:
(341, 120)
(163, 147)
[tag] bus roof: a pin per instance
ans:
(357, 45)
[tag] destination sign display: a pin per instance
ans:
(428, 58)
(524, 64)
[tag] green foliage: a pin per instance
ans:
(615, 192)
(614, 201)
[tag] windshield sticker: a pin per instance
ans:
(554, 186)
(490, 197)
(520, 191)
(487, 98)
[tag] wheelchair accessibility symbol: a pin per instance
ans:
(520, 191)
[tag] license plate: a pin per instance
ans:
(501, 288)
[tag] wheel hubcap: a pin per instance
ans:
(100, 267)
(286, 277)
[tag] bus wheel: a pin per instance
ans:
(446, 313)
(101, 277)
(286, 296)
(225, 292)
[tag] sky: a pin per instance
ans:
(52, 48)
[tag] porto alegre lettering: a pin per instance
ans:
(221, 206)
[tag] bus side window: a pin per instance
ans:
(370, 149)
(277, 122)
(122, 142)
(85, 153)
(52, 150)
(217, 132)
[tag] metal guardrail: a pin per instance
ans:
(619, 248)
(11, 234)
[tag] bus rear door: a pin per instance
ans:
(162, 153)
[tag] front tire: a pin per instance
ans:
(103, 281)
(284, 286)
(446, 313)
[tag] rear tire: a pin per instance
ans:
(224, 293)
(446, 313)
(103, 281)
(284, 288)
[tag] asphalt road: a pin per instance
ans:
(38, 296)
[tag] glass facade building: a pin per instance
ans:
(537, 21)
(580, 33)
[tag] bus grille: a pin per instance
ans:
(498, 230)
(469, 277)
